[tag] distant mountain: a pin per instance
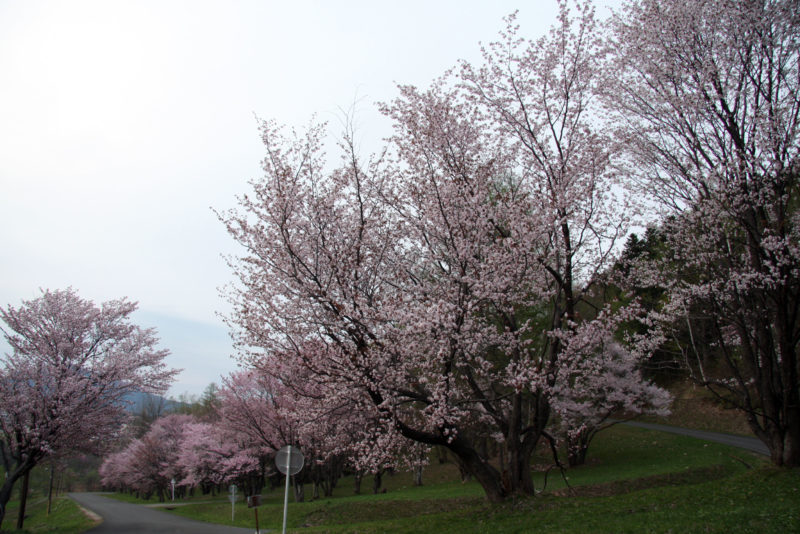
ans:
(150, 404)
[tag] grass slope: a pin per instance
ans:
(635, 481)
(65, 517)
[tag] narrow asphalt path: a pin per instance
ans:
(126, 518)
(742, 442)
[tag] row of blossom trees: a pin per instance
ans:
(183, 449)
(253, 416)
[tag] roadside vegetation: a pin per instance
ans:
(52, 481)
(636, 481)
(65, 517)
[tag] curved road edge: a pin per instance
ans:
(742, 442)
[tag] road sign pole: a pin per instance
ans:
(289, 461)
(232, 497)
(286, 492)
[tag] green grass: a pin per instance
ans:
(635, 481)
(65, 517)
(746, 502)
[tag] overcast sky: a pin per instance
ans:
(122, 123)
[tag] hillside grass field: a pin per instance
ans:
(635, 481)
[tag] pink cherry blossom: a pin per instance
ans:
(707, 103)
(64, 386)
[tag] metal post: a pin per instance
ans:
(286, 492)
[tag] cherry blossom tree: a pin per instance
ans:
(114, 469)
(708, 102)
(251, 404)
(252, 411)
(64, 385)
(210, 456)
(158, 453)
(277, 404)
(148, 464)
(415, 284)
(538, 99)
(599, 378)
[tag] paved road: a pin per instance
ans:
(742, 442)
(126, 518)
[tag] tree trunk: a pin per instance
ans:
(526, 479)
(501, 456)
(60, 483)
(357, 483)
(335, 474)
(791, 447)
(791, 389)
(783, 444)
(488, 477)
(576, 449)
(5, 494)
(377, 480)
(299, 490)
(7, 487)
(50, 488)
(521, 443)
(468, 458)
(330, 479)
(23, 499)
(418, 475)
(576, 456)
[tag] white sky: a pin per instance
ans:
(123, 122)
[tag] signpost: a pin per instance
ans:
(254, 501)
(232, 497)
(172, 482)
(289, 461)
